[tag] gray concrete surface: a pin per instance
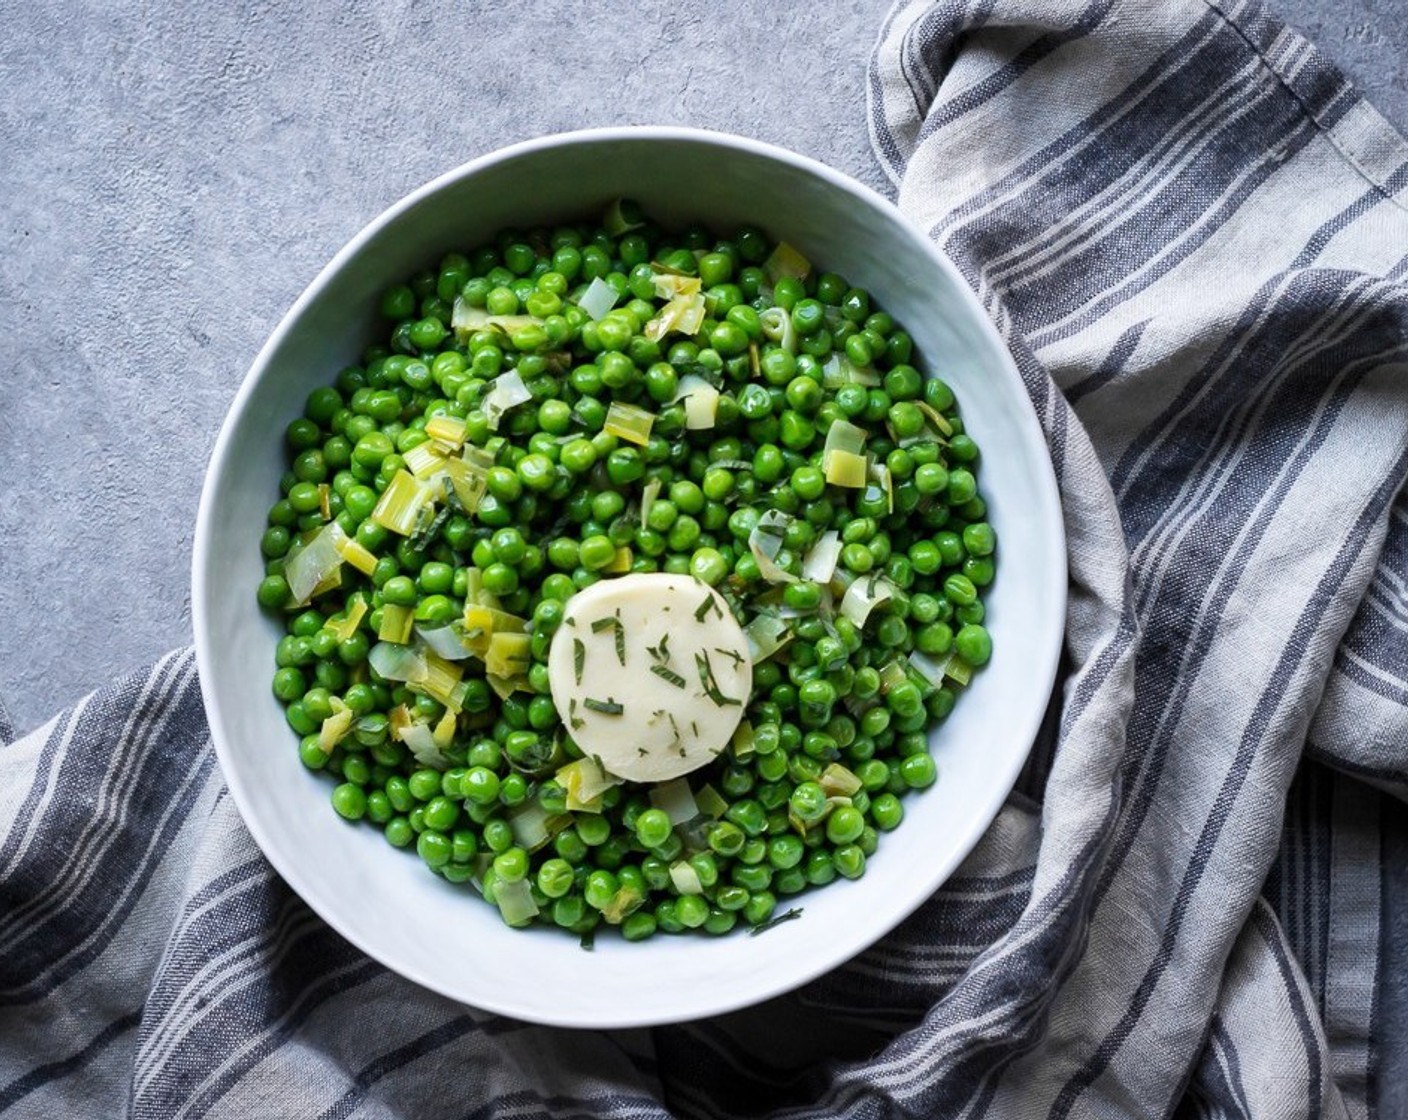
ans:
(174, 174)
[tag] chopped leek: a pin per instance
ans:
(599, 298)
(397, 662)
(447, 429)
(647, 499)
(420, 741)
(701, 402)
(355, 553)
(493, 621)
(845, 469)
(958, 670)
(864, 595)
(315, 563)
(842, 456)
(879, 474)
(839, 370)
(507, 655)
(786, 261)
(765, 542)
(396, 623)
(466, 319)
(711, 802)
(676, 799)
(440, 680)
(892, 673)
(424, 459)
(625, 901)
(621, 562)
(504, 687)
(836, 780)
(742, 743)
(685, 878)
(444, 732)
(507, 391)
(334, 729)
(356, 611)
(629, 422)
(401, 503)
(533, 826)
(930, 670)
(451, 641)
(766, 634)
(670, 286)
(585, 781)
(936, 418)
(684, 313)
(777, 327)
(479, 458)
(819, 564)
(467, 482)
(515, 902)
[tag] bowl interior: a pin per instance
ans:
(383, 900)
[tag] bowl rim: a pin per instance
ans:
(721, 999)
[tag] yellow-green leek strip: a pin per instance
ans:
(447, 429)
(504, 687)
(515, 902)
(424, 459)
(621, 562)
(507, 655)
(315, 566)
(469, 482)
(837, 781)
(670, 286)
(466, 319)
(742, 744)
(334, 729)
(358, 555)
(844, 468)
(625, 901)
(843, 454)
(347, 626)
(711, 802)
(958, 670)
(777, 327)
(629, 422)
(444, 732)
(585, 781)
(648, 496)
(786, 261)
(685, 878)
(440, 679)
(936, 418)
(396, 623)
(892, 674)
(401, 502)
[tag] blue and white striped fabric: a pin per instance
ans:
(1193, 234)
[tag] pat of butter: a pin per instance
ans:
(650, 673)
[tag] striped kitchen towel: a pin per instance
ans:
(1192, 233)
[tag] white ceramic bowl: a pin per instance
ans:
(383, 900)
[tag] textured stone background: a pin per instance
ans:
(175, 174)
